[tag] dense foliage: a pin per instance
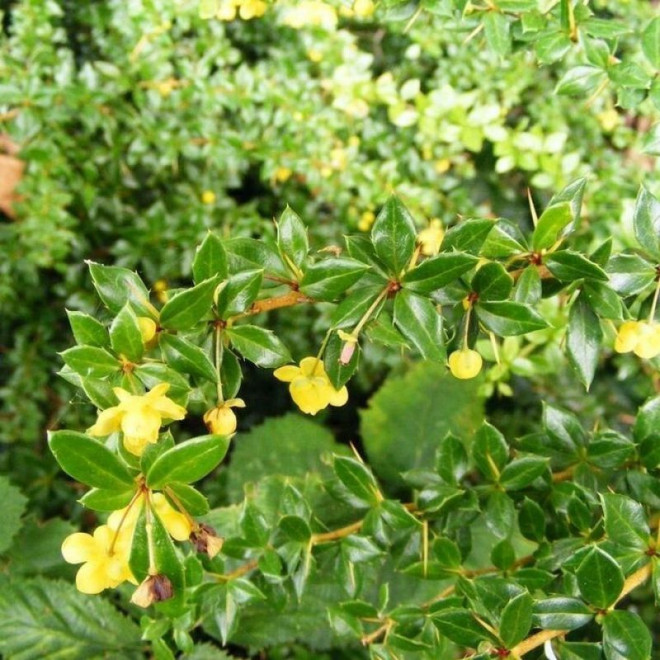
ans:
(479, 349)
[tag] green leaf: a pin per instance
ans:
(260, 346)
(419, 321)
(583, 340)
(580, 80)
(528, 287)
(189, 461)
(118, 286)
(125, 335)
(358, 479)
(460, 626)
(350, 310)
(78, 627)
(182, 355)
(603, 300)
(328, 279)
(552, 46)
(550, 225)
(516, 619)
(452, 459)
(564, 428)
(210, 259)
(186, 309)
(292, 237)
(91, 361)
(496, 29)
(394, 235)
(13, 506)
(102, 499)
(531, 520)
(89, 461)
(252, 254)
(492, 282)
(509, 318)
(231, 374)
(646, 220)
(500, 515)
(630, 274)
(192, 500)
(467, 236)
(295, 529)
(503, 555)
(625, 521)
(437, 272)
(290, 445)
(237, 294)
(338, 373)
(490, 451)
(420, 406)
(626, 637)
(651, 42)
(568, 266)
(87, 331)
(599, 578)
(504, 241)
(561, 613)
(522, 472)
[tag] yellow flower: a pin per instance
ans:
(104, 566)
(431, 238)
(366, 220)
(465, 363)
(148, 328)
(311, 12)
(310, 387)
(282, 174)
(208, 197)
(139, 417)
(363, 8)
(640, 337)
(222, 419)
(252, 9)
(160, 289)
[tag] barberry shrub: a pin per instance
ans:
(501, 498)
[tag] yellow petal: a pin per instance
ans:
(178, 526)
(107, 422)
(168, 409)
(287, 373)
(312, 366)
(339, 397)
(235, 403)
(91, 578)
(157, 391)
(122, 394)
(221, 421)
(627, 336)
(310, 394)
(135, 444)
(78, 548)
(142, 424)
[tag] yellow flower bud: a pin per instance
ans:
(221, 420)
(430, 238)
(465, 363)
(208, 197)
(627, 337)
(148, 328)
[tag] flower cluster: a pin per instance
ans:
(640, 337)
(310, 386)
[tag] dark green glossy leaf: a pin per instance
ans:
(358, 479)
(118, 286)
(569, 266)
(651, 42)
(394, 235)
(190, 498)
(626, 637)
(599, 578)
(103, 499)
(237, 294)
(531, 520)
(292, 237)
(460, 626)
(451, 459)
(338, 373)
(210, 259)
(603, 300)
(522, 472)
(496, 28)
(91, 361)
(492, 282)
(625, 521)
(646, 220)
(295, 529)
(349, 312)
(503, 555)
(437, 272)
(418, 321)
(629, 274)
(185, 356)
(87, 331)
(188, 462)
(509, 318)
(328, 279)
(89, 461)
(500, 514)
(528, 287)
(516, 620)
(490, 451)
(580, 81)
(583, 340)
(126, 336)
(260, 346)
(467, 236)
(186, 309)
(561, 613)
(564, 428)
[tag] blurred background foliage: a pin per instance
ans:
(141, 126)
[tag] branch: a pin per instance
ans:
(267, 304)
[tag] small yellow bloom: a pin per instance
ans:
(465, 363)
(139, 417)
(252, 9)
(354, 141)
(442, 165)
(160, 289)
(310, 387)
(315, 55)
(227, 10)
(430, 238)
(282, 174)
(104, 559)
(366, 220)
(364, 8)
(208, 197)
(222, 419)
(640, 337)
(311, 12)
(148, 328)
